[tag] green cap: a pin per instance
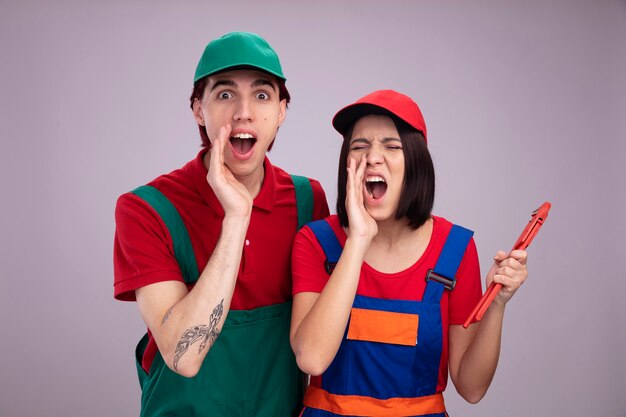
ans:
(238, 49)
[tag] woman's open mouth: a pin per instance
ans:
(376, 186)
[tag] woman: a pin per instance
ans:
(382, 288)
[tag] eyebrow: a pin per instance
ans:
(226, 82)
(263, 81)
(384, 140)
(231, 83)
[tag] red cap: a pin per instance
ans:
(381, 102)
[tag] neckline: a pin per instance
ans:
(415, 265)
(264, 200)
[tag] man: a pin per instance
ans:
(205, 250)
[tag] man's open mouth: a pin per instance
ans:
(242, 142)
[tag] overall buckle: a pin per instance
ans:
(447, 282)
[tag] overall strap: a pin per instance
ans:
(304, 199)
(183, 251)
(329, 243)
(443, 275)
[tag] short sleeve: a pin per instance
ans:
(468, 289)
(307, 263)
(143, 252)
(320, 205)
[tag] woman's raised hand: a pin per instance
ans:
(361, 224)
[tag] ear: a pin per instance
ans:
(283, 112)
(197, 112)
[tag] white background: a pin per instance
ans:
(525, 101)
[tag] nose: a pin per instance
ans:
(243, 111)
(374, 156)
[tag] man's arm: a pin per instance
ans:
(185, 324)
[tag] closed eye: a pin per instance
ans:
(359, 144)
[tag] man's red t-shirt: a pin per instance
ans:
(143, 249)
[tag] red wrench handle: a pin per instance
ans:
(537, 218)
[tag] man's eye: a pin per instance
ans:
(262, 96)
(224, 95)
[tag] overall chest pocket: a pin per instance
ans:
(383, 327)
(382, 352)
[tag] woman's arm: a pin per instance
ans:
(318, 321)
(474, 352)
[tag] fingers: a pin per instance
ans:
(510, 273)
(510, 282)
(356, 172)
(218, 147)
(519, 255)
(509, 270)
(500, 256)
(357, 168)
(360, 172)
(360, 166)
(350, 186)
(351, 171)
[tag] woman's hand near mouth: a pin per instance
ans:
(361, 224)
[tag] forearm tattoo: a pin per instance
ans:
(211, 336)
(208, 334)
(167, 315)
